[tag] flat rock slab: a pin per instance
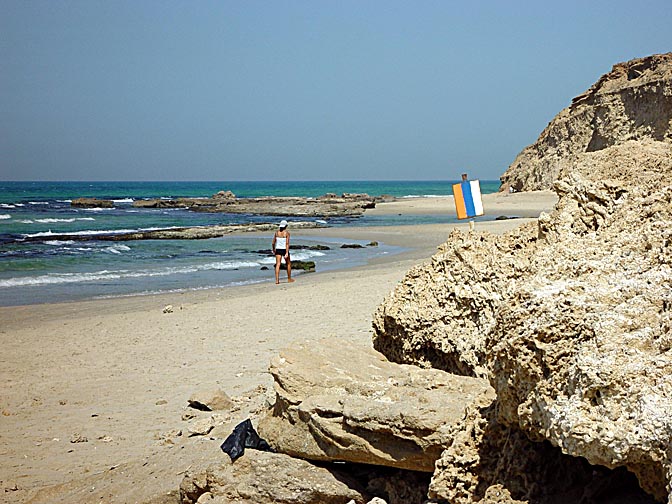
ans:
(338, 400)
(266, 478)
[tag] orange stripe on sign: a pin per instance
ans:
(460, 207)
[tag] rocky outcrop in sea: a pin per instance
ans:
(632, 103)
(329, 205)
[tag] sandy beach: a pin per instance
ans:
(94, 393)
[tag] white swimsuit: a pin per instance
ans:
(281, 242)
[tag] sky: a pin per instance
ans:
(298, 90)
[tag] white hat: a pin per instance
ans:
(283, 223)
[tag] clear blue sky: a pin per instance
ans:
(294, 90)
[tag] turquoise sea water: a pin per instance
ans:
(50, 270)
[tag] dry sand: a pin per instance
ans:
(93, 394)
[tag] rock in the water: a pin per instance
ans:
(268, 478)
(210, 400)
(442, 311)
(224, 195)
(91, 203)
(341, 401)
(307, 266)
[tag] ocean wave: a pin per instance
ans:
(306, 254)
(25, 221)
(105, 275)
(117, 249)
(64, 201)
(97, 209)
(5, 216)
(54, 220)
(79, 233)
(7, 205)
(59, 242)
(123, 200)
(38, 202)
(94, 232)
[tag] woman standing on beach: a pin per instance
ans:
(280, 250)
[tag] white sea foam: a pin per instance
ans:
(7, 205)
(64, 201)
(97, 209)
(38, 202)
(117, 249)
(54, 220)
(5, 216)
(77, 233)
(124, 200)
(25, 221)
(91, 232)
(59, 242)
(104, 275)
(306, 254)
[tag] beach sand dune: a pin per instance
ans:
(97, 391)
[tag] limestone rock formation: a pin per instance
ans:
(342, 401)
(441, 312)
(91, 203)
(489, 462)
(571, 319)
(581, 353)
(633, 102)
(269, 478)
(225, 201)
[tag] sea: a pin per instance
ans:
(34, 268)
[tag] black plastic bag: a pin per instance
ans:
(243, 436)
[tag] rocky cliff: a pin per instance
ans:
(569, 319)
(632, 102)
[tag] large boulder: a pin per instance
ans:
(269, 478)
(633, 102)
(581, 354)
(441, 312)
(343, 401)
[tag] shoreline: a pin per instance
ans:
(95, 392)
(423, 242)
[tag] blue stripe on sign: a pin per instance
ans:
(468, 199)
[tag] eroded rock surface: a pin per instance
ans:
(633, 102)
(329, 205)
(442, 311)
(572, 320)
(342, 401)
(268, 478)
